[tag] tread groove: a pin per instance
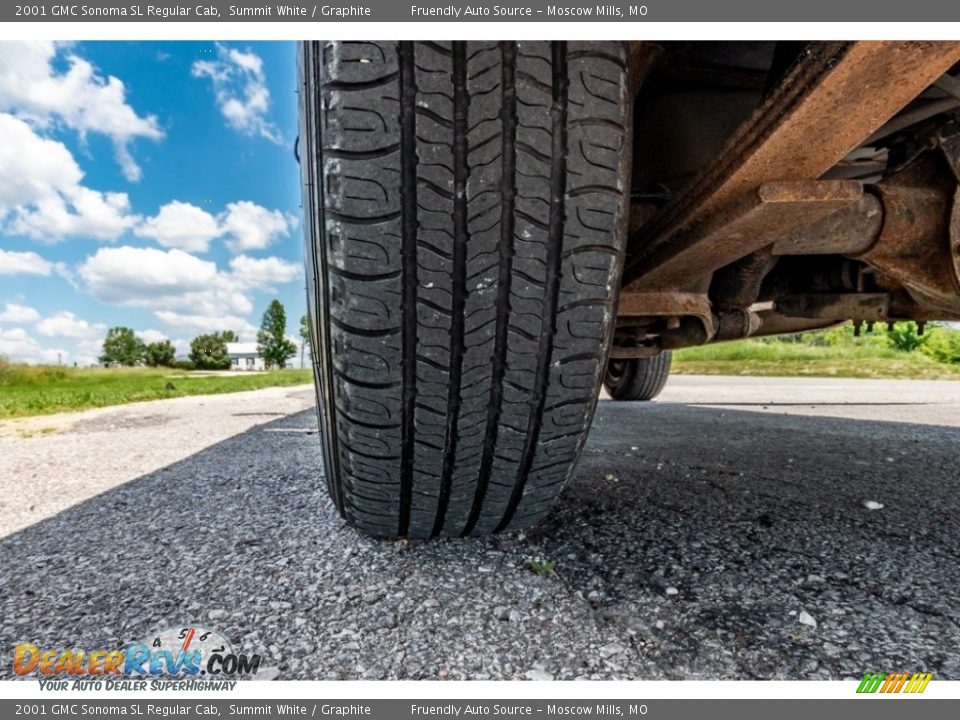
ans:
(508, 158)
(365, 85)
(461, 171)
(408, 201)
(361, 154)
(558, 180)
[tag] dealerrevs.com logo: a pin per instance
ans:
(183, 658)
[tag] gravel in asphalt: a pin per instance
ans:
(737, 528)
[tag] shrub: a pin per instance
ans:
(184, 365)
(906, 337)
(943, 346)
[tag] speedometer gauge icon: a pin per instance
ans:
(189, 642)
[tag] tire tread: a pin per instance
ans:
(467, 241)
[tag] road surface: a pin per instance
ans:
(735, 528)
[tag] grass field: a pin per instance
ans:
(830, 353)
(750, 358)
(39, 390)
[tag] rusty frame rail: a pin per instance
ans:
(757, 218)
(830, 101)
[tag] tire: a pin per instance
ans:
(638, 378)
(466, 210)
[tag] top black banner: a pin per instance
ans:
(483, 11)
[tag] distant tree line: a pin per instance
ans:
(123, 347)
(208, 351)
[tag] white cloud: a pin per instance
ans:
(86, 213)
(78, 341)
(165, 280)
(186, 293)
(240, 90)
(79, 97)
(18, 314)
(40, 191)
(152, 336)
(181, 346)
(42, 197)
(67, 325)
(262, 272)
(88, 351)
(246, 225)
(23, 263)
(143, 276)
(208, 323)
(181, 225)
(33, 169)
(254, 227)
(18, 346)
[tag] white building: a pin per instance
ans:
(244, 356)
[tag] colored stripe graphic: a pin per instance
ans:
(894, 683)
(871, 682)
(918, 683)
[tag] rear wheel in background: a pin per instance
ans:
(637, 378)
(466, 207)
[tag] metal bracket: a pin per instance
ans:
(772, 211)
(869, 307)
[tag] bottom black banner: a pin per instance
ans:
(874, 708)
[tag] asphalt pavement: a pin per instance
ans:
(736, 528)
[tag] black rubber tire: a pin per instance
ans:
(466, 208)
(638, 378)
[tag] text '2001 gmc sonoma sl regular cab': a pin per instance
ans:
(495, 230)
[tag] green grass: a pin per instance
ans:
(539, 566)
(44, 389)
(814, 355)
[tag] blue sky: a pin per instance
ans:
(146, 184)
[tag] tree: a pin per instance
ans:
(304, 336)
(161, 353)
(272, 340)
(229, 336)
(209, 351)
(122, 347)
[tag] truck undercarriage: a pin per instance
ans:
(781, 187)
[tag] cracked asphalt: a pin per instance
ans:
(736, 528)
